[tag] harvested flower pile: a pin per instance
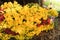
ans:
(22, 23)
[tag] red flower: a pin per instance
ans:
(38, 25)
(43, 22)
(9, 31)
(1, 17)
(48, 21)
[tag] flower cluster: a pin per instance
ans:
(24, 22)
(53, 12)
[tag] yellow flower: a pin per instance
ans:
(10, 5)
(24, 20)
(53, 12)
(5, 5)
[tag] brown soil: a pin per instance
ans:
(50, 35)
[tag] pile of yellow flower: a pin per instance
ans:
(22, 23)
